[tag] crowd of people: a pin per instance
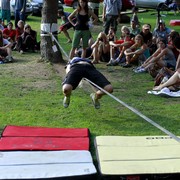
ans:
(18, 36)
(22, 39)
(139, 46)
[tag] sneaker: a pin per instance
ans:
(11, 59)
(110, 63)
(21, 52)
(126, 65)
(95, 101)
(141, 70)
(66, 101)
(136, 69)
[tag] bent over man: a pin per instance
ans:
(79, 68)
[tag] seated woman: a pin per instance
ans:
(172, 36)
(174, 80)
(118, 47)
(165, 73)
(138, 52)
(163, 57)
(5, 49)
(19, 31)
(27, 41)
(101, 48)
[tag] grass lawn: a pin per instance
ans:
(31, 96)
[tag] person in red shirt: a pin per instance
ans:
(19, 29)
(9, 33)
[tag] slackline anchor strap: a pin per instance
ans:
(136, 112)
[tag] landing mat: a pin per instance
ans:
(43, 143)
(137, 155)
(46, 165)
(29, 131)
(43, 138)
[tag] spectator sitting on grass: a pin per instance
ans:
(172, 36)
(27, 41)
(172, 81)
(137, 53)
(163, 57)
(161, 31)
(118, 47)
(133, 28)
(101, 48)
(170, 72)
(19, 29)
(9, 33)
(148, 37)
(5, 49)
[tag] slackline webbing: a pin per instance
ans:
(126, 105)
(136, 112)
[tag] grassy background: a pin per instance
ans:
(31, 95)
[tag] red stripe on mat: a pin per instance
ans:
(43, 143)
(28, 131)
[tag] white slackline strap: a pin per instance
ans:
(54, 39)
(136, 112)
(127, 106)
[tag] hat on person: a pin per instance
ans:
(146, 26)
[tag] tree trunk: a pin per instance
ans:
(49, 20)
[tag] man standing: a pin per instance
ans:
(19, 11)
(111, 13)
(5, 10)
(94, 5)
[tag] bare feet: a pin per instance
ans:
(95, 62)
(157, 88)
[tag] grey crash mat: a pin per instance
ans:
(45, 164)
(126, 155)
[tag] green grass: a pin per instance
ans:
(31, 95)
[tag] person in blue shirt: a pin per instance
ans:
(161, 31)
(19, 11)
(111, 13)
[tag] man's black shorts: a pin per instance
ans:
(80, 71)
